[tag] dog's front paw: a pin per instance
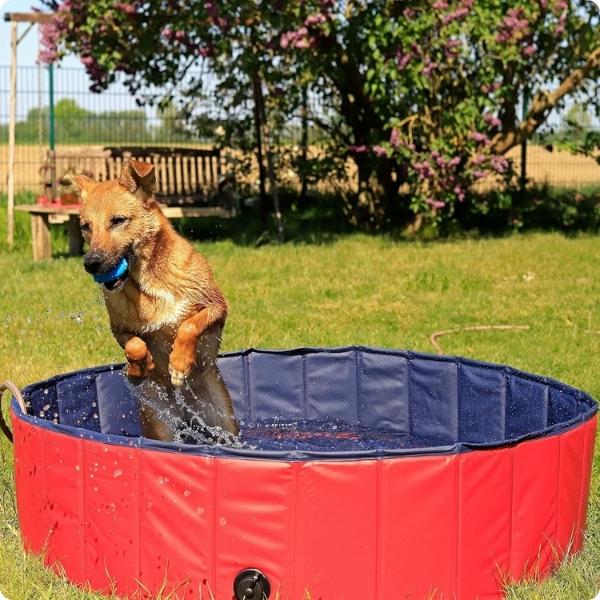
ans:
(139, 359)
(179, 368)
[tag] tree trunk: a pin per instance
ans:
(259, 145)
(266, 138)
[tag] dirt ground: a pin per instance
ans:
(557, 168)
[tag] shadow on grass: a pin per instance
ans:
(320, 219)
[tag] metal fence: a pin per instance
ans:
(85, 121)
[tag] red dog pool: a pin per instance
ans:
(364, 474)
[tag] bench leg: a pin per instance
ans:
(40, 237)
(75, 239)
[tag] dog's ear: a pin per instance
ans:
(138, 178)
(76, 184)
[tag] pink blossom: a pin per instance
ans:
(296, 39)
(429, 68)
(211, 8)
(529, 50)
(315, 19)
(490, 88)
(543, 4)
(512, 23)
(480, 138)
(440, 5)
(167, 33)
(402, 59)
(128, 9)
(302, 43)
(50, 35)
(468, 3)
(492, 120)
(562, 21)
(451, 48)
(560, 5)
(435, 203)
(499, 163)
(358, 149)
(480, 174)
(87, 61)
(457, 15)
(394, 138)
(460, 193)
(379, 151)
(180, 35)
(423, 170)
(409, 13)
(480, 158)
(453, 162)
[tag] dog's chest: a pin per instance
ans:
(140, 313)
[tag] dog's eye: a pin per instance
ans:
(85, 227)
(118, 220)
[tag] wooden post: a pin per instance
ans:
(40, 236)
(75, 239)
(10, 236)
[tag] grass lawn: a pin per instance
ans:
(349, 289)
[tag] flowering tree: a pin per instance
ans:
(424, 96)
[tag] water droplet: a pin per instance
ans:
(222, 521)
(117, 473)
(187, 493)
(199, 510)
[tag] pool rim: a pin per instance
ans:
(304, 455)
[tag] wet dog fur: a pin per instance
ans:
(166, 312)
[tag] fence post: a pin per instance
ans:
(10, 236)
(51, 130)
(525, 109)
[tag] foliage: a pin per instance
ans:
(422, 97)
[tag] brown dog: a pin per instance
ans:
(166, 311)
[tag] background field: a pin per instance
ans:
(556, 168)
(340, 289)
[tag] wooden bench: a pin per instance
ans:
(43, 216)
(190, 183)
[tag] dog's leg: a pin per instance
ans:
(221, 400)
(183, 355)
(139, 359)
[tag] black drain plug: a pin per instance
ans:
(251, 584)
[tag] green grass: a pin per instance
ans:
(353, 289)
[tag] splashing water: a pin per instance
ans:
(189, 430)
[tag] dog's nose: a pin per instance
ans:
(93, 261)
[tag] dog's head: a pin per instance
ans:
(117, 217)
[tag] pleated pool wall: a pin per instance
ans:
(454, 524)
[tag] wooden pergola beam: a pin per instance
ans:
(32, 17)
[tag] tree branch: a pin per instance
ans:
(542, 104)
